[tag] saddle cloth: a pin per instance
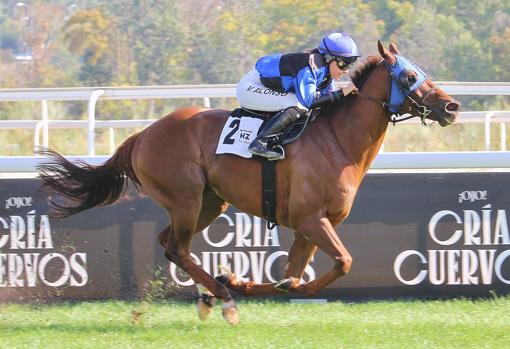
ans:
(243, 125)
(237, 134)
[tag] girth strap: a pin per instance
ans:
(269, 192)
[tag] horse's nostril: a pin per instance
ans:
(452, 107)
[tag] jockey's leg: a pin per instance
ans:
(262, 146)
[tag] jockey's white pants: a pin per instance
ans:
(251, 94)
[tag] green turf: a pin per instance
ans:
(427, 324)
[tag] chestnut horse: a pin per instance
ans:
(174, 162)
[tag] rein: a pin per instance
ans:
(416, 101)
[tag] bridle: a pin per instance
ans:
(396, 111)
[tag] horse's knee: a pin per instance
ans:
(343, 264)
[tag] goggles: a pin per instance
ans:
(344, 63)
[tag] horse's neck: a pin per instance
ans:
(360, 128)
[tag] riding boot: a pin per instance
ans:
(264, 145)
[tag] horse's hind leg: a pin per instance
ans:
(212, 207)
(178, 251)
(206, 299)
(176, 239)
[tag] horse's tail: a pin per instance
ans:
(82, 186)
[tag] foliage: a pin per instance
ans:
(138, 42)
(165, 42)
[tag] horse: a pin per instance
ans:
(174, 162)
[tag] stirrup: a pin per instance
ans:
(264, 150)
(282, 153)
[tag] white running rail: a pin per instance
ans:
(94, 94)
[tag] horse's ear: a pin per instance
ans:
(394, 49)
(387, 55)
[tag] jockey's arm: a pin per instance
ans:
(310, 98)
(306, 87)
(333, 97)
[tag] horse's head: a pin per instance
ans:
(413, 93)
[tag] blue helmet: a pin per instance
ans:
(339, 45)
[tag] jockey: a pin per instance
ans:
(292, 84)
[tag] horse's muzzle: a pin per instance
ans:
(451, 111)
(452, 107)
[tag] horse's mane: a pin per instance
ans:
(360, 75)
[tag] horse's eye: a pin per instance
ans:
(404, 79)
(407, 78)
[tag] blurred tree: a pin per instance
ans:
(500, 43)
(290, 26)
(87, 34)
(154, 32)
(103, 49)
(223, 40)
(392, 13)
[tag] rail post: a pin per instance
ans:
(503, 136)
(92, 121)
(487, 122)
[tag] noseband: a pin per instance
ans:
(418, 103)
(396, 111)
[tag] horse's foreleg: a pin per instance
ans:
(301, 251)
(316, 233)
(323, 235)
(300, 254)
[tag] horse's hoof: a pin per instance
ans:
(225, 276)
(231, 315)
(203, 309)
(284, 285)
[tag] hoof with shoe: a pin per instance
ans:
(284, 285)
(230, 313)
(225, 276)
(204, 309)
(205, 302)
(224, 279)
